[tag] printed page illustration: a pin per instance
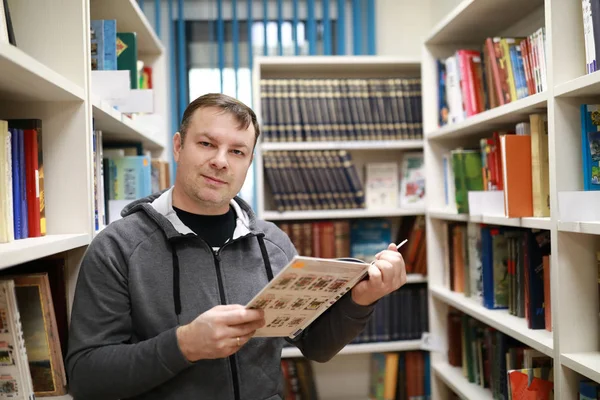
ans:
(302, 291)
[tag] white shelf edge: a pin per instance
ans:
(25, 250)
(454, 378)
(338, 214)
(447, 215)
(579, 86)
(496, 115)
(591, 228)
(156, 45)
(362, 348)
(337, 60)
(447, 20)
(525, 222)
(415, 278)
(45, 75)
(586, 364)
(348, 145)
(127, 124)
(539, 339)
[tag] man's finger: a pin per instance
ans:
(241, 316)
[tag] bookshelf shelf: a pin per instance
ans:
(586, 85)
(352, 145)
(586, 364)
(454, 378)
(592, 228)
(339, 214)
(24, 250)
(508, 114)
(474, 20)
(325, 66)
(447, 215)
(24, 78)
(362, 348)
(540, 340)
(130, 18)
(116, 126)
(528, 222)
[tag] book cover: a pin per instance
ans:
(302, 291)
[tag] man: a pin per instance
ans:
(159, 306)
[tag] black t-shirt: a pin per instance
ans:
(214, 229)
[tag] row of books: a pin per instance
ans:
(401, 315)
(493, 360)
(22, 203)
(396, 184)
(123, 172)
(361, 239)
(298, 379)
(33, 329)
(112, 50)
(514, 164)
(313, 180)
(299, 110)
(505, 69)
(502, 268)
(400, 376)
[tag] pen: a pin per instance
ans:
(400, 245)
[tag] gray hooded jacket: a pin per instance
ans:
(148, 273)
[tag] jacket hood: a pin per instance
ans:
(159, 207)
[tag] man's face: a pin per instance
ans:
(213, 160)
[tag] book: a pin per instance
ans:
(303, 290)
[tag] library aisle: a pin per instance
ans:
(475, 137)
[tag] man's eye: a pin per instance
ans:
(237, 152)
(205, 144)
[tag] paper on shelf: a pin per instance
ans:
(304, 290)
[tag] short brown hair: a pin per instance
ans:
(241, 112)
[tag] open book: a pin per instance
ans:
(304, 290)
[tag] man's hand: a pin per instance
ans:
(386, 274)
(219, 332)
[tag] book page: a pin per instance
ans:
(302, 291)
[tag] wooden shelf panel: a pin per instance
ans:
(339, 214)
(24, 250)
(499, 117)
(592, 228)
(539, 339)
(527, 222)
(584, 86)
(361, 348)
(130, 18)
(116, 126)
(23, 78)
(349, 145)
(454, 379)
(474, 20)
(586, 364)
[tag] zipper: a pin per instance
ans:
(232, 358)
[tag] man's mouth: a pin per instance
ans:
(216, 181)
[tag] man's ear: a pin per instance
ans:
(177, 145)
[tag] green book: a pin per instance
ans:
(127, 55)
(466, 165)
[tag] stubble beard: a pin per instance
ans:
(206, 196)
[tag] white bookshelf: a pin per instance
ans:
(48, 77)
(352, 364)
(453, 378)
(362, 348)
(339, 214)
(352, 145)
(573, 343)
